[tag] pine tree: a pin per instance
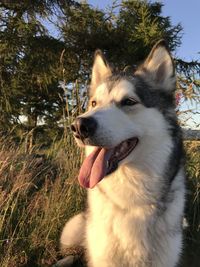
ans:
(29, 66)
(33, 63)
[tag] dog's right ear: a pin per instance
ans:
(100, 70)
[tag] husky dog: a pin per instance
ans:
(133, 167)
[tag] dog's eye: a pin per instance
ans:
(128, 102)
(94, 103)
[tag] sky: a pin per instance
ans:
(187, 13)
(181, 11)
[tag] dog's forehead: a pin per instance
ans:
(115, 91)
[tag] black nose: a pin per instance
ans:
(84, 127)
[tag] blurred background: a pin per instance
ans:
(46, 54)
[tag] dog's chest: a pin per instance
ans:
(120, 235)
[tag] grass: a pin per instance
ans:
(191, 255)
(39, 192)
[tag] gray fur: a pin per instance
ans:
(134, 216)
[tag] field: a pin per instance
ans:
(39, 192)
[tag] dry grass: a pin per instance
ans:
(192, 233)
(39, 192)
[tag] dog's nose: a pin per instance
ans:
(84, 127)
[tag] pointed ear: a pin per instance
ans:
(100, 70)
(159, 67)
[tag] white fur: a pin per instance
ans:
(99, 71)
(118, 235)
(128, 224)
(123, 206)
(74, 229)
(159, 65)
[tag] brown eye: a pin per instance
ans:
(128, 102)
(94, 103)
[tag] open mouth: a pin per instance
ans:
(103, 161)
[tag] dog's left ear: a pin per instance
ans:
(159, 67)
(100, 70)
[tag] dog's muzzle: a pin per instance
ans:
(84, 127)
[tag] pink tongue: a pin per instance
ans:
(94, 167)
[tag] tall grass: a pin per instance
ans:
(39, 192)
(192, 234)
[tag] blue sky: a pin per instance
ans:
(180, 11)
(187, 13)
(183, 11)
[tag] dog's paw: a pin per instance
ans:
(73, 257)
(68, 261)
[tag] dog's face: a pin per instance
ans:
(123, 111)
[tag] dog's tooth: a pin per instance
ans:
(108, 163)
(117, 153)
(124, 147)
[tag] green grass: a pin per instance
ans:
(39, 192)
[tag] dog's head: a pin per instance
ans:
(123, 111)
